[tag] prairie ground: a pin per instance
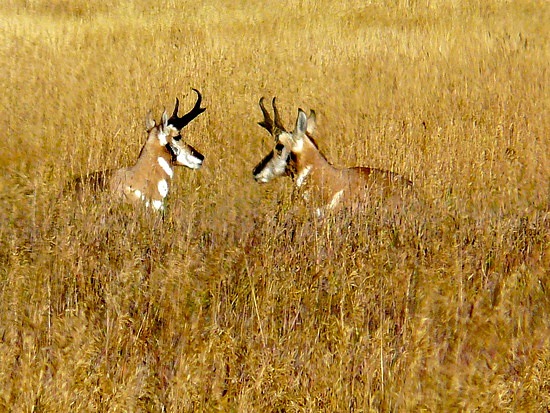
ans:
(240, 299)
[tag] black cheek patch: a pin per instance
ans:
(171, 151)
(199, 156)
(262, 163)
(196, 153)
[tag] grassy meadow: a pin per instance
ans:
(239, 300)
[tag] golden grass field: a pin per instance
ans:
(240, 300)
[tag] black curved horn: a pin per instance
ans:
(180, 123)
(274, 128)
(267, 123)
(278, 122)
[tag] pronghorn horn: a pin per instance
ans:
(180, 123)
(176, 108)
(267, 123)
(278, 122)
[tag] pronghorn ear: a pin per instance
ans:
(301, 123)
(149, 121)
(311, 122)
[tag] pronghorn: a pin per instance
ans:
(148, 180)
(297, 155)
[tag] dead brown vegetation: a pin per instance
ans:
(237, 300)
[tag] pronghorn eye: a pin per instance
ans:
(279, 147)
(177, 138)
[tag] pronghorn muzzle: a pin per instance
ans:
(274, 164)
(185, 155)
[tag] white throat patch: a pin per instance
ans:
(302, 176)
(336, 199)
(158, 205)
(165, 166)
(163, 188)
(162, 138)
(137, 193)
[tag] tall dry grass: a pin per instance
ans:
(238, 300)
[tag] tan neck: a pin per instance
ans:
(154, 165)
(315, 172)
(148, 180)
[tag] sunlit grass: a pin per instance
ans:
(238, 299)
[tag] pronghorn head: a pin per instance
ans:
(168, 137)
(182, 153)
(281, 161)
(168, 134)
